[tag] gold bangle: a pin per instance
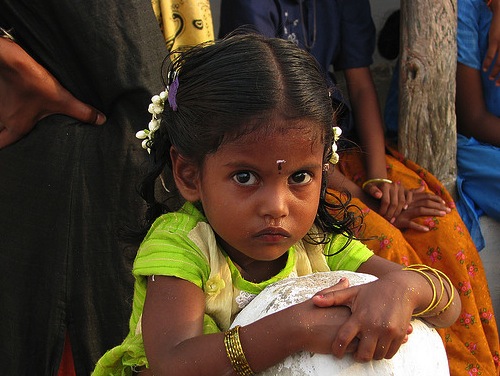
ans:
(451, 295)
(235, 352)
(377, 180)
(421, 269)
(432, 304)
(6, 34)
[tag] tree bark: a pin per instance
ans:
(427, 122)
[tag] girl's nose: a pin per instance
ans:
(275, 204)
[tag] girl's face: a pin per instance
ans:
(261, 192)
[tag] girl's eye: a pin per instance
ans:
(301, 177)
(245, 178)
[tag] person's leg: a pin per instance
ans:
(105, 205)
(33, 249)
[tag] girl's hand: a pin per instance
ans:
(380, 318)
(392, 198)
(29, 93)
(319, 327)
(420, 204)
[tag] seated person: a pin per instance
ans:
(409, 216)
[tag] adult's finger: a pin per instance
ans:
(417, 227)
(488, 60)
(73, 107)
(85, 113)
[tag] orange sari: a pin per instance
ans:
(472, 342)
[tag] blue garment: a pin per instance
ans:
(474, 19)
(342, 37)
(340, 34)
(478, 184)
(478, 180)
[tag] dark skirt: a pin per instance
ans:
(68, 190)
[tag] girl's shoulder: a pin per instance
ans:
(172, 233)
(181, 221)
(176, 240)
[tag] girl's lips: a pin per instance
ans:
(273, 234)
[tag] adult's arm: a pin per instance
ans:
(473, 118)
(493, 44)
(369, 127)
(29, 93)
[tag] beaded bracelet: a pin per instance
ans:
(376, 180)
(235, 352)
(6, 34)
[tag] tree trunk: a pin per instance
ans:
(427, 123)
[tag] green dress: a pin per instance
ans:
(182, 244)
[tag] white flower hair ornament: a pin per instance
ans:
(156, 108)
(334, 159)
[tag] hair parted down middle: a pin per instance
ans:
(235, 86)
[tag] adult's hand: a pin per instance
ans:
(420, 204)
(391, 196)
(29, 93)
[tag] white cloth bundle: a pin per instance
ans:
(422, 355)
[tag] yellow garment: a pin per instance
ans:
(184, 23)
(308, 257)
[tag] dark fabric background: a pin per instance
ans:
(67, 188)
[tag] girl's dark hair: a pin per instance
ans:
(228, 88)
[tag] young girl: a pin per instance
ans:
(409, 217)
(247, 130)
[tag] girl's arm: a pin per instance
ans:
(419, 288)
(382, 310)
(172, 329)
(473, 118)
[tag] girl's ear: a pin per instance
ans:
(186, 176)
